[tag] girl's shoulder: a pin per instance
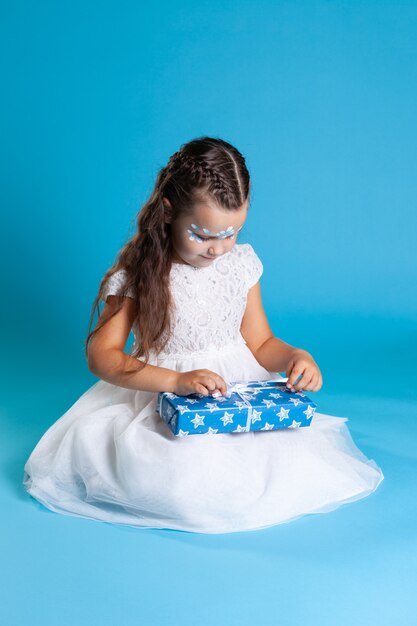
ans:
(244, 251)
(249, 262)
(115, 284)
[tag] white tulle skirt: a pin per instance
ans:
(111, 458)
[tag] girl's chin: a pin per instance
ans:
(196, 261)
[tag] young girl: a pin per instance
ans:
(191, 296)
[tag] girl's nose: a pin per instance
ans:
(216, 249)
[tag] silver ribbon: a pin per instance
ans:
(243, 391)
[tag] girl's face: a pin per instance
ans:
(206, 234)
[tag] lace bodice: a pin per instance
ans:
(209, 301)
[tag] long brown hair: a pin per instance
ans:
(204, 168)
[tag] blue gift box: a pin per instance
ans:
(254, 405)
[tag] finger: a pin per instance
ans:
(289, 385)
(288, 371)
(319, 384)
(304, 381)
(295, 374)
(311, 385)
(210, 383)
(201, 389)
(221, 385)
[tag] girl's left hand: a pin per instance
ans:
(302, 363)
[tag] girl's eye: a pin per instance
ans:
(208, 238)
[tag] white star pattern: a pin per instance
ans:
(294, 424)
(240, 429)
(193, 400)
(212, 431)
(227, 418)
(296, 401)
(276, 395)
(283, 414)
(269, 403)
(198, 420)
(256, 416)
(183, 433)
(309, 412)
(240, 405)
(267, 426)
(182, 408)
(212, 406)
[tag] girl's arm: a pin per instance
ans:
(112, 363)
(108, 361)
(270, 352)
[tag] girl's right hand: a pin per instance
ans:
(201, 381)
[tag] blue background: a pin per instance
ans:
(320, 97)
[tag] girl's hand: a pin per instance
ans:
(201, 381)
(301, 362)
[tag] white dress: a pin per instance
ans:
(111, 458)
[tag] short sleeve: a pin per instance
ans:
(253, 265)
(114, 285)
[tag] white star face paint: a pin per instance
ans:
(229, 233)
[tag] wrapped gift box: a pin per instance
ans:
(254, 405)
